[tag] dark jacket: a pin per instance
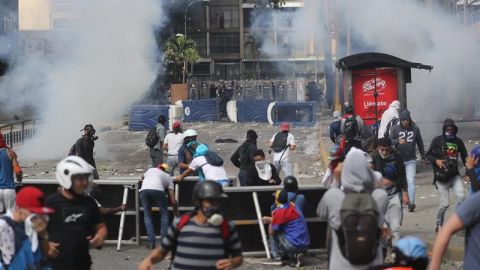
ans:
(379, 164)
(335, 130)
(413, 138)
(84, 149)
(443, 148)
(254, 180)
(243, 156)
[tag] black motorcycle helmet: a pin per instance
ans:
(290, 184)
(208, 190)
(348, 107)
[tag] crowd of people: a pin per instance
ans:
(370, 179)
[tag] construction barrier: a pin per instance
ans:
(202, 110)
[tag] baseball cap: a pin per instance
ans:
(176, 124)
(284, 127)
(163, 166)
(31, 198)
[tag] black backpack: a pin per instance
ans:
(213, 159)
(280, 142)
(359, 232)
(152, 138)
(389, 127)
(350, 129)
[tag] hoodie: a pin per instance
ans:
(387, 116)
(413, 138)
(447, 147)
(356, 176)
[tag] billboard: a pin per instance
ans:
(366, 83)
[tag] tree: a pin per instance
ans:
(180, 51)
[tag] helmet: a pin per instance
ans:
(164, 166)
(290, 184)
(348, 107)
(208, 190)
(190, 133)
(70, 166)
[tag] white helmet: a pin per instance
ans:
(73, 165)
(190, 133)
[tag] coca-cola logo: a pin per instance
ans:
(370, 85)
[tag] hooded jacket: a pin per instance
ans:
(395, 159)
(413, 138)
(253, 179)
(387, 116)
(443, 148)
(243, 156)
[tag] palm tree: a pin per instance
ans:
(179, 52)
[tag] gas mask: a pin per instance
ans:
(213, 215)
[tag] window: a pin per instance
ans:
(201, 42)
(224, 18)
(222, 43)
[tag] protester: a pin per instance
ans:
(215, 240)
(443, 154)
(389, 119)
(466, 217)
(156, 152)
(281, 144)
(157, 185)
(331, 178)
(357, 195)
(288, 230)
(77, 222)
(23, 232)
(408, 253)
(290, 184)
(185, 156)
(351, 128)
(262, 172)
(389, 162)
(8, 168)
(172, 143)
(243, 157)
(193, 92)
(84, 146)
(405, 137)
(335, 126)
(473, 169)
(208, 164)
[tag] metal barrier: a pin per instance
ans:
(17, 132)
(244, 208)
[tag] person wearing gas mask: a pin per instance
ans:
(443, 155)
(215, 240)
(262, 172)
(84, 147)
(23, 232)
(243, 157)
(185, 155)
(77, 223)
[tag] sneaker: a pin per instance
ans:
(273, 261)
(151, 245)
(411, 207)
(300, 260)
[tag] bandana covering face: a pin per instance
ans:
(264, 170)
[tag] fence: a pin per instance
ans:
(18, 131)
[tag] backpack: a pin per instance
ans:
(213, 159)
(152, 138)
(389, 127)
(350, 129)
(280, 142)
(359, 232)
(444, 175)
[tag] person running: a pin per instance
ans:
(389, 119)
(262, 172)
(157, 185)
(8, 168)
(390, 163)
(156, 152)
(84, 146)
(335, 126)
(173, 141)
(23, 232)
(352, 128)
(185, 156)
(243, 157)
(214, 240)
(77, 223)
(282, 143)
(443, 155)
(405, 137)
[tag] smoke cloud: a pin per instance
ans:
(106, 62)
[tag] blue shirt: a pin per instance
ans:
(335, 130)
(469, 214)
(6, 170)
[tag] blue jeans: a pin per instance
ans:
(411, 171)
(149, 197)
(280, 247)
(242, 177)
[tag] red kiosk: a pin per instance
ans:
(373, 80)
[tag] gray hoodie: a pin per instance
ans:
(357, 176)
(413, 138)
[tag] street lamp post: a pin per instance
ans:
(185, 33)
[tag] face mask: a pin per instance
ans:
(213, 215)
(449, 135)
(384, 156)
(264, 170)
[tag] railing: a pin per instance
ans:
(18, 131)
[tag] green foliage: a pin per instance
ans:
(177, 51)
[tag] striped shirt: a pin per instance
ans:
(200, 246)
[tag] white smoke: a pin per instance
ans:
(108, 64)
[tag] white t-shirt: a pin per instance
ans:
(174, 142)
(285, 157)
(211, 172)
(157, 179)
